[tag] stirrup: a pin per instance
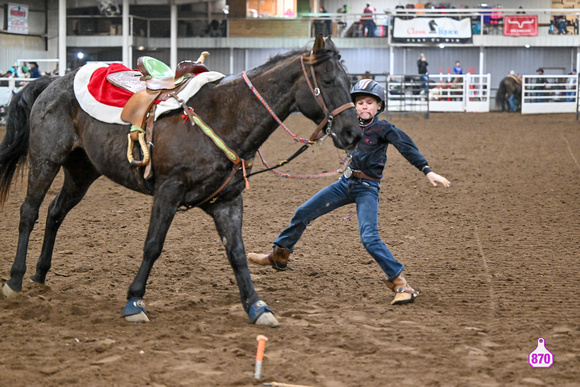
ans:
(137, 134)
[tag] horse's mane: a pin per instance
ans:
(320, 56)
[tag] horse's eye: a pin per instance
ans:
(327, 81)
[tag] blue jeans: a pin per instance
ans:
(363, 192)
(512, 102)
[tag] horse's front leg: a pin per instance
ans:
(165, 205)
(228, 220)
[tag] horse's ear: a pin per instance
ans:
(329, 44)
(318, 44)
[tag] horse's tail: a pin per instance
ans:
(14, 146)
(500, 96)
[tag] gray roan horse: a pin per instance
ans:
(47, 126)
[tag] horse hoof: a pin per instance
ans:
(267, 319)
(261, 314)
(135, 311)
(8, 292)
(137, 318)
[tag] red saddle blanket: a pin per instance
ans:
(104, 91)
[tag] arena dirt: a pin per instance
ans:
(496, 258)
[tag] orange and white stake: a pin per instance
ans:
(260, 355)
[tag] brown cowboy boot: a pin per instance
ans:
(404, 293)
(278, 258)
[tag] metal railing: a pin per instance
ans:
(549, 94)
(341, 24)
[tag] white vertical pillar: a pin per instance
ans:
(173, 44)
(126, 29)
(481, 60)
(231, 60)
(61, 37)
(391, 60)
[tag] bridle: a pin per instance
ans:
(315, 90)
(329, 116)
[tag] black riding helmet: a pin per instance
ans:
(369, 87)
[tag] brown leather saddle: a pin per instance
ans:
(153, 82)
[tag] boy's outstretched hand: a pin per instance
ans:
(434, 179)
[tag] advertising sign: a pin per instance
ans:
(17, 18)
(432, 30)
(520, 25)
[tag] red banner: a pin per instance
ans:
(520, 25)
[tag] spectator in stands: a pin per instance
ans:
(343, 64)
(341, 21)
(366, 75)
(571, 85)
(562, 25)
(213, 29)
(542, 84)
(423, 72)
(457, 69)
(34, 70)
(395, 87)
(12, 71)
(321, 26)
(368, 21)
(327, 22)
(24, 71)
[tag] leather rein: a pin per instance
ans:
(316, 135)
(243, 164)
(329, 116)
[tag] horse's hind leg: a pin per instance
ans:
(228, 220)
(40, 178)
(79, 175)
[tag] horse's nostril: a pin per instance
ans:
(352, 137)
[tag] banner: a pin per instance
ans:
(520, 25)
(432, 30)
(17, 18)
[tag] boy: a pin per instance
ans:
(359, 184)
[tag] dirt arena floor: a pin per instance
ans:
(495, 256)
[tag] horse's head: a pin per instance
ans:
(324, 95)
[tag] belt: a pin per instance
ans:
(358, 174)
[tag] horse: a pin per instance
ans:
(509, 87)
(47, 126)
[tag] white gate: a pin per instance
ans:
(558, 94)
(459, 93)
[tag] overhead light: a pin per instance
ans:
(441, 45)
(108, 7)
(141, 48)
(80, 55)
(527, 46)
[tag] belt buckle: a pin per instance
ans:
(348, 172)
